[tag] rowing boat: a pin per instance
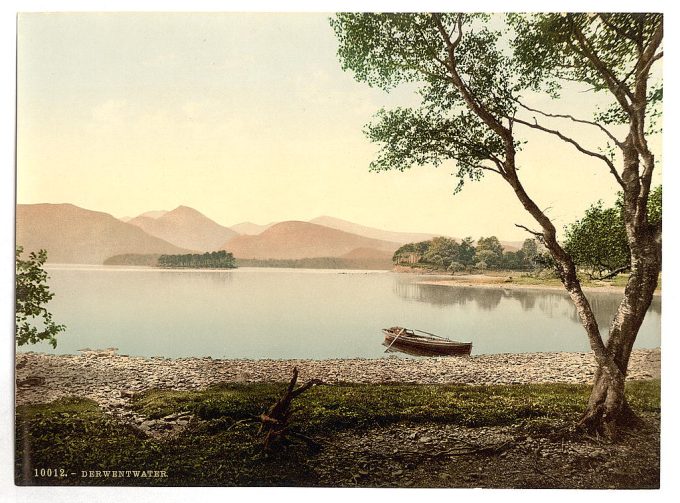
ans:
(423, 343)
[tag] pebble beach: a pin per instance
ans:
(111, 379)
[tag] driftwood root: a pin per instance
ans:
(275, 422)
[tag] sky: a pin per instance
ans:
(249, 117)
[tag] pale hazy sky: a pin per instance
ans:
(249, 117)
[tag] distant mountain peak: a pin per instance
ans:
(188, 228)
(188, 209)
(152, 214)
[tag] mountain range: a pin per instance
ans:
(76, 235)
(185, 227)
(296, 240)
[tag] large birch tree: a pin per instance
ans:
(473, 113)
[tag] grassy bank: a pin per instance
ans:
(221, 447)
(522, 279)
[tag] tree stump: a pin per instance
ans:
(275, 427)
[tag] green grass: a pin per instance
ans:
(523, 278)
(75, 435)
(546, 279)
(333, 408)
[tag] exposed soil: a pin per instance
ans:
(449, 456)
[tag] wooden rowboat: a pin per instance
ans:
(423, 343)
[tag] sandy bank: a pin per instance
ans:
(111, 379)
(502, 282)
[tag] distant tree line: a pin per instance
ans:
(154, 260)
(596, 242)
(210, 260)
(448, 254)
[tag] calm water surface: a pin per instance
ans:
(292, 313)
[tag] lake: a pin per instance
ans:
(292, 313)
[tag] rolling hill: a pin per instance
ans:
(185, 227)
(297, 240)
(75, 235)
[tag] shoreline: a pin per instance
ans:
(502, 285)
(500, 282)
(112, 380)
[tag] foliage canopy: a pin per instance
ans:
(385, 50)
(33, 321)
(598, 243)
(448, 254)
(210, 260)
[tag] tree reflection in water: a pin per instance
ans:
(551, 303)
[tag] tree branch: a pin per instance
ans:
(649, 63)
(566, 267)
(638, 120)
(616, 271)
(459, 25)
(478, 109)
(618, 88)
(434, 53)
(306, 386)
(573, 142)
(649, 55)
(574, 119)
(488, 168)
(538, 235)
(499, 165)
(420, 69)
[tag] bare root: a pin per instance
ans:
(275, 426)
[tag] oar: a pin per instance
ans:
(395, 339)
(433, 335)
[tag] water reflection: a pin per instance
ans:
(441, 295)
(605, 306)
(306, 314)
(197, 277)
(551, 303)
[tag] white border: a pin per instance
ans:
(8, 492)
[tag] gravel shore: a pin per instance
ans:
(111, 380)
(397, 455)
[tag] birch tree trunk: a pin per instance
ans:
(607, 407)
